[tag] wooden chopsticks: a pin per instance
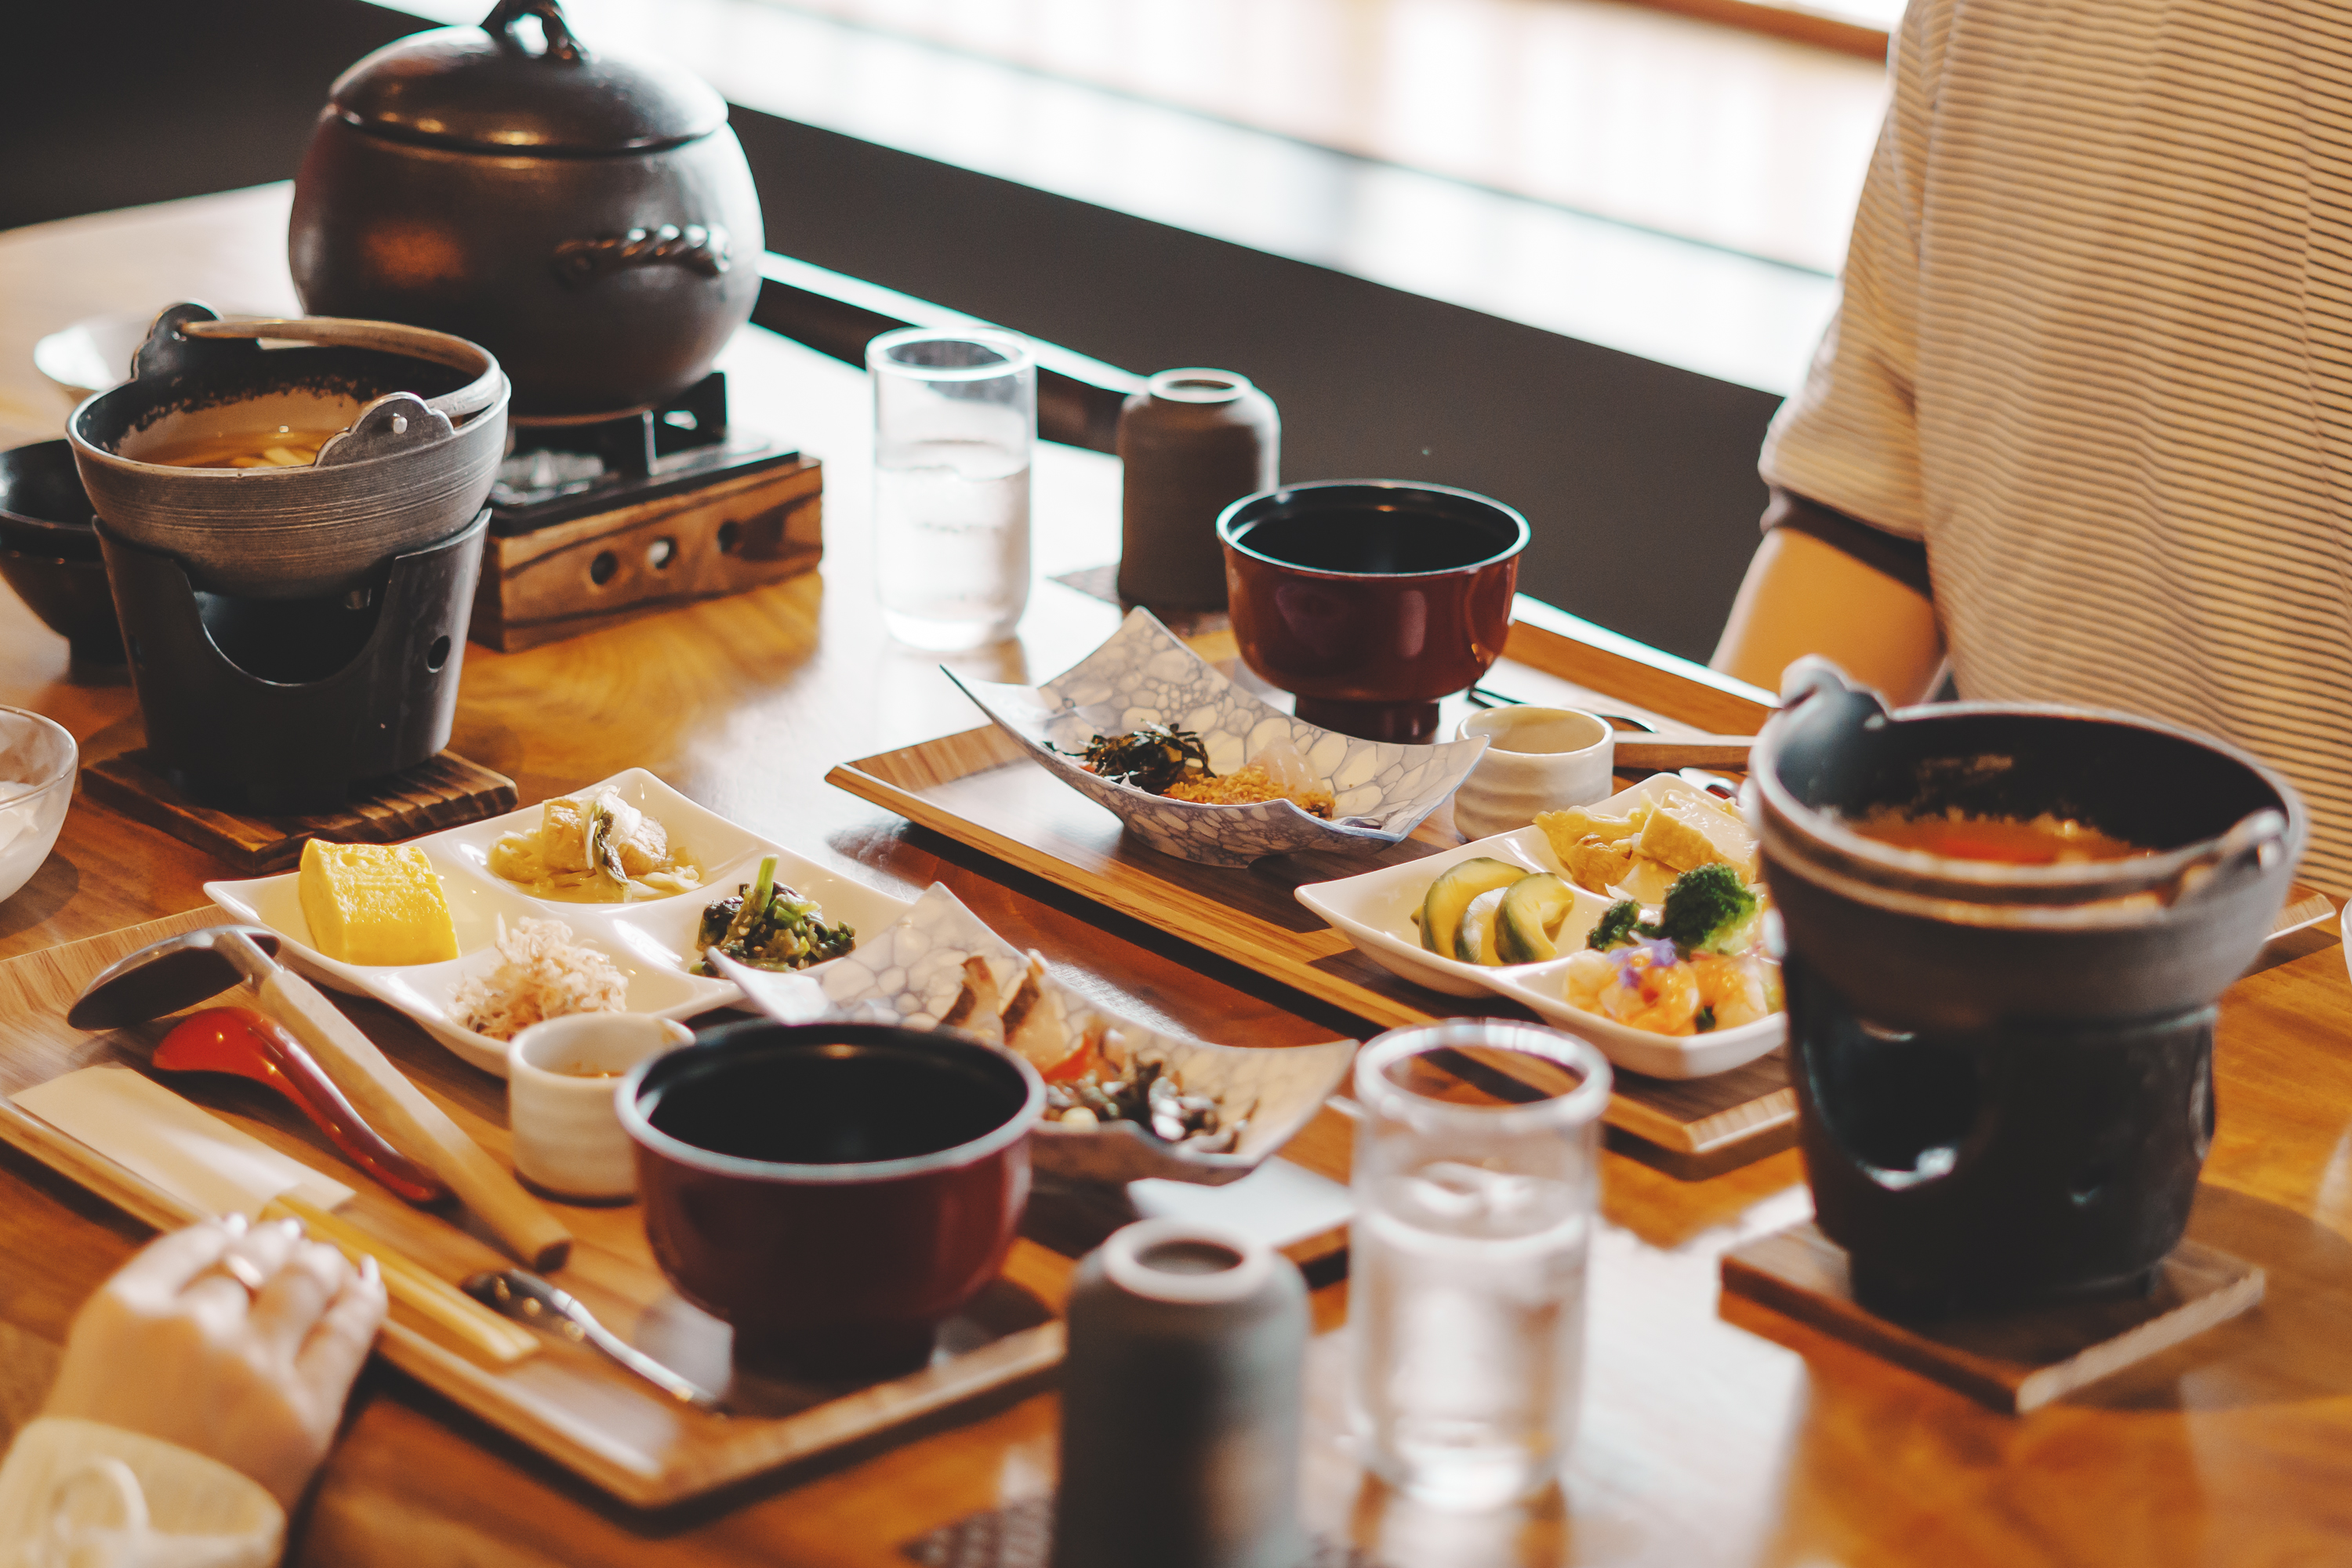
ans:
(420, 1300)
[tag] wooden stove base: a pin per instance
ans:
(2012, 1361)
(598, 571)
(446, 791)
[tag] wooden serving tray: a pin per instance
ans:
(980, 789)
(567, 1402)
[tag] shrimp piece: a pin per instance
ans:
(1589, 973)
(1662, 998)
(1733, 986)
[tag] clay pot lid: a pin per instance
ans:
(488, 89)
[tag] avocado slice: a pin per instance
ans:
(1476, 941)
(1533, 909)
(1441, 906)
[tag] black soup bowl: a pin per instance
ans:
(2004, 1072)
(834, 1191)
(48, 551)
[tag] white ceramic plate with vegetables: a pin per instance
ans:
(1518, 904)
(653, 940)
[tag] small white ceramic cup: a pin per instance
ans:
(1538, 759)
(566, 1122)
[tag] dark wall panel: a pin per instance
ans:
(1640, 479)
(109, 103)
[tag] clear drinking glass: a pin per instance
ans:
(955, 415)
(1475, 1176)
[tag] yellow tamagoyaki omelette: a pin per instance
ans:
(375, 904)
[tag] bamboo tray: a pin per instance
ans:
(567, 1402)
(980, 789)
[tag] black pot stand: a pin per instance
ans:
(2001, 1209)
(291, 706)
(2024, 1163)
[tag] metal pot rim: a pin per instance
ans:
(2096, 893)
(466, 407)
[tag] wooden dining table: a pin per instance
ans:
(1702, 1440)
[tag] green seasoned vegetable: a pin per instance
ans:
(1534, 908)
(604, 853)
(1708, 910)
(1619, 924)
(1151, 759)
(768, 926)
(1443, 905)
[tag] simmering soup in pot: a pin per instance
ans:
(284, 447)
(2044, 840)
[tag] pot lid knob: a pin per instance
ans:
(487, 88)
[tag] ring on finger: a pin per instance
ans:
(243, 1270)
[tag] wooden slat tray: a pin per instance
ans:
(978, 788)
(567, 1402)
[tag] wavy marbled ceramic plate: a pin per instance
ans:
(1145, 675)
(911, 972)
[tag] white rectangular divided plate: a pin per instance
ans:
(652, 941)
(1375, 912)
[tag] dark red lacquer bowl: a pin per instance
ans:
(833, 1191)
(1372, 598)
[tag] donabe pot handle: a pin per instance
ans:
(170, 351)
(2256, 845)
(560, 44)
(694, 247)
(1813, 676)
(396, 422)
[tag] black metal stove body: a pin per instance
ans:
(283, 707)
(2018, 1163)
(564, 469)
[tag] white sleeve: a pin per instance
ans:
(1849, 439)
(75, 1494)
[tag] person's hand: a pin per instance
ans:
(239, 1343)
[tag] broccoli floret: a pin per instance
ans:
(1709, 910)
(1617, 927)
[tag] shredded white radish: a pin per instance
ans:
(540, 974)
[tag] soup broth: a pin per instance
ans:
(2044, 840)
(284, 447)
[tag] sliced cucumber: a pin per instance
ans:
(1533, 909)
(1476, 942)
(1441, 906)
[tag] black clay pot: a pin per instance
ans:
(588, 218)
(2005, 1071)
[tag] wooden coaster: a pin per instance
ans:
(2013, 1362)
(446, 791)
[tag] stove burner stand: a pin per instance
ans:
(599, 519)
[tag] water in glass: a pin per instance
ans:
(952, 525)
(1475, 1172)
(1468, 1315)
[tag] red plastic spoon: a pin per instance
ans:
(254, 1045)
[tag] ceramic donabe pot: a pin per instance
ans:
(588, 218)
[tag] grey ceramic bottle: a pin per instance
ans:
(1194, 442)
(1181, 1404)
